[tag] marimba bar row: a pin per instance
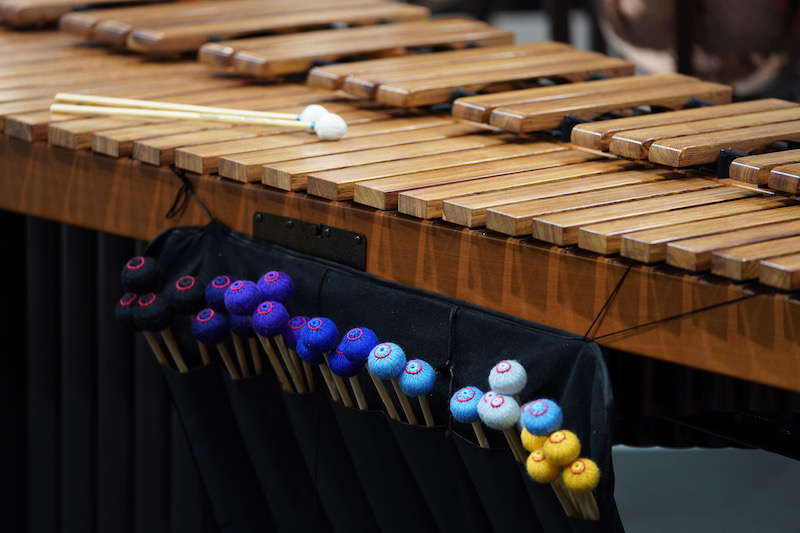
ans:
(170, 29)
(434, 166)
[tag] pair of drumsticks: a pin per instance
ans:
(315, 118)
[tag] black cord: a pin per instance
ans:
(611, 296)
(184, 196)
(676, 316)
(449, 363)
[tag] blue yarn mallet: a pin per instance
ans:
(542, 417)
(241, 329)
(210, 327)
(417, 379)
(321, 334)
(387, 361)
(291, 334)
(215, 292)
(464, 408)
(154, 313)
(268, 321)
(242, 297)
(344, 368)
(357, 343)
(276, 286)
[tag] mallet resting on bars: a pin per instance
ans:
(328, 127)
(309, 114)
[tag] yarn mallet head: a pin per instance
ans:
(269, 319)
(582, 475)
(152, 313)
(329, 127)
(123, 312)
(540, 469)
(276, 286)
(186, 294)
(291, 334)
(498, 411)
(386, 360)
(541, 417)
(508, 377)
(418, 378)
(357, 343)
(308, 355)
(464, 404)
(210, 326)
(320, 334)
(342, 366)
(242, 297)
(240, 325)
(140, 275)
(562, 447)
(215, 292)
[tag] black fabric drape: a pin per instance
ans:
(459, 340)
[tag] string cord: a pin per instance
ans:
(616, 290)
(609, 300)
(448, 365)
(676, 316)
(184, 195)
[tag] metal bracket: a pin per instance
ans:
(328, 242)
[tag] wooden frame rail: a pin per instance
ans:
(754, 338)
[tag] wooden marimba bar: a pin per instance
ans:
(483, 171)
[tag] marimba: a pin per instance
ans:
(448, 201)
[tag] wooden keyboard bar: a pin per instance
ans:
(467, 207)
(161, 150)
(562, 228)
(577, 66)
(695, 254)
(204, 158)
(634, 144)
(547, 115)
(597, 135)
(650, 246)
(384, 193)
(781, 272)
(187, 37)
(517, 219)
(785, 178)
(340, 184)
(755, 169)
(332, 77)
(479, 108)
(21, 13)
(276, 56)
(606, 237)
(742, 262)
(294, 175)
(704, 148)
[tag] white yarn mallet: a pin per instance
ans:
(328, 126)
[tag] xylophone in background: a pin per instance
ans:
(168, 30)
(27, 14)
(226, 312)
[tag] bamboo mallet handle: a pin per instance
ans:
(172, 346)
(384, 395)
(87, 99)
(276, 365)
(226, 358)
(238, 347)
(69, 109)
(258, 367)
(404, 403)
(156, 347)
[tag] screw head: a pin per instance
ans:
(326, 232)
(290, 224)
(358, 239)
(259, 217)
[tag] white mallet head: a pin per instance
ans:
(312, 113)
(330, 127)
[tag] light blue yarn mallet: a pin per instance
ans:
(417, 379)
(464, 408)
